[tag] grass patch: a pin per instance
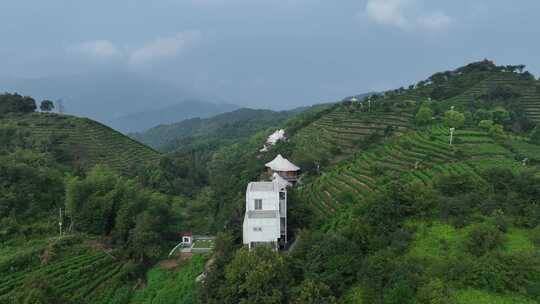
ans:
(475, 296)
(203, 244)
(517, 240)
(436, 241)
(169, 286)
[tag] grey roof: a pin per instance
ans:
(262, 214)
(261, 187)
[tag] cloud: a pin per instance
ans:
(158, 49)
(387, 12)
(164, 47)
(435, 21)
(406, 15)
(97, 49)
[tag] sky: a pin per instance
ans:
(266, 53)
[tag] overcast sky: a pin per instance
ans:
(266, 53)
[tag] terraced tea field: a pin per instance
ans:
(337, 134)
(530, 93)
(79, 274)
(418, 155)
(87, 142)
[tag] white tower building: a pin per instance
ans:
(265, 221)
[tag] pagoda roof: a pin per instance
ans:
(281, 164)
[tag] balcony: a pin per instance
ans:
(262, 214)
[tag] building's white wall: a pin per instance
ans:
(270, 200)
(270, 227)
(269, 230)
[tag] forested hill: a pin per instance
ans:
(391, 208)
(220, 129)
(79, 142)
(144, 120)
(388, 210)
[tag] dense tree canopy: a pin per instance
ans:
(46, 106)
(15, 103)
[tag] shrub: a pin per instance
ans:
(434, 292)
(483, 238)
(311, 292)
(454, 119)
(423, 116)
(497, 131)
(400, 293)
(500, 115)
(485, 124)
(504, 272)
(482, 114)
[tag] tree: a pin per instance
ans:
(257, 276)
(454, 119)
(311, 292)
(485, 124)
(15, 103)
(500, 115)
(483, 238)
(91, 202)
(46, 106)
(423, 116)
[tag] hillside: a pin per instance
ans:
(81, 142)
(222, 128)
(388, 211)
(144, 120)
(416, 156)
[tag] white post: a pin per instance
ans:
(452, 135)
(60, 222)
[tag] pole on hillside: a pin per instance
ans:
(60, 106)
(60, 223)
(452, 135)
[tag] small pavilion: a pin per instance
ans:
(284, 168)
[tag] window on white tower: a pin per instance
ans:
(258, 204)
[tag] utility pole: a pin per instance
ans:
(60, 222)
(452, 135)
(369, 104)
(60, 104)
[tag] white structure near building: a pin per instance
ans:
(284, 168)
(265, 221)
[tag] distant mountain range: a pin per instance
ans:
(215, 130)
(125, 100)
(144, 120)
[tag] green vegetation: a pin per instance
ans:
(172, 286)
(387, 210)
(67, 271)
(79, 142)
(210, 133)
(398, 215)
(15, 103)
